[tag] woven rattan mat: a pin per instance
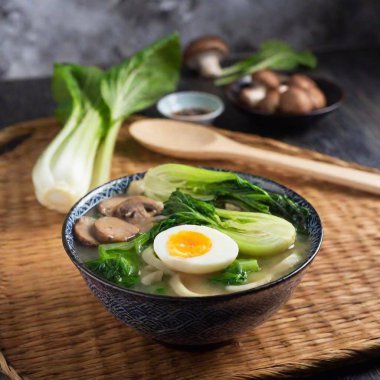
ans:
(51, 327)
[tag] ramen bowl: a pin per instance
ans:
(190, 321)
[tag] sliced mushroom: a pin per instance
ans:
(295, 101)
(84, 231)
(139, 210)
(270, 102)
(108, 206)
(109, 229)
(317, 97)
(301, 81)
(204, 54)
(267, 78)
(251, 96)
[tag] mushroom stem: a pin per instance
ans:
(251, 96)
(210, 65)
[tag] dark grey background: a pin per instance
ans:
(35, 33)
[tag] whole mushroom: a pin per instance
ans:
(270, 102)
(302, 81)
(295, 101)
(204, 54)
(317, 97)
(267, 78)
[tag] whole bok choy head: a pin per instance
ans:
(92, 104)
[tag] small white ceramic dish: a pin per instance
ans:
(179, 101)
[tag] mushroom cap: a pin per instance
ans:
(204, 45)
(267, 78)
(317, 97)
(295, 101)
(302, 81)
(270, 102)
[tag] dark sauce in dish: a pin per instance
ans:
(192, 112)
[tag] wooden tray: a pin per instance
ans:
(51, 327)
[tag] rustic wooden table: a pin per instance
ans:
(351, 133)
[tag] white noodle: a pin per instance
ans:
(286, 264)
(152, 277)
(180, 289)
(149, 257)
(146, 270)
(251, 285)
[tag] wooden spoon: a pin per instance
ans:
(196, 142)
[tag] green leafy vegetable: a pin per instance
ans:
(220, 188)
(161, 290)
(92, 104)
(274, 54)
(119, 262)
(119, 267)
(137, 245)
(237, 272)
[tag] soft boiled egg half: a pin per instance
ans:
(195, 249)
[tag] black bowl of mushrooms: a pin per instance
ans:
(279, 99)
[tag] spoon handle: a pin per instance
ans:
(354, 178)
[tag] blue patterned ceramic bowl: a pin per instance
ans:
(184, 320)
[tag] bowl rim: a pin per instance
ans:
(230, 95)
(82, 268)
(208, 116)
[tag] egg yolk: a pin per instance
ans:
(188, 244)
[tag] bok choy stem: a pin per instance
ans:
(68, 160)
(103, 160)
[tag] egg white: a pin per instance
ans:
(222, 253)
